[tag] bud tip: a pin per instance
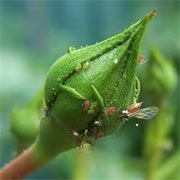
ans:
(152, 13)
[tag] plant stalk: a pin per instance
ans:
(20, 167)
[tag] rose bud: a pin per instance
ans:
(83, 84)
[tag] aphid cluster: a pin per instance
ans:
(95, 129)
(91, 134)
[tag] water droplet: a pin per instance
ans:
(115, 61)
(137, 124)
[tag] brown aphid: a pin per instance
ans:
(98, 135)
(133, 108)
(110, 110)
(140, 59)
(79, 139)
(79, 142)
(86, 105)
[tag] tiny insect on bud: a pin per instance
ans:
(86, 105)
(140, 59)
(110, 110)
(135, 111)
(134, 107)
(79, 142)
(98, 123)
(86, 65)
(99, 135)
(92, 107)
(78, 138)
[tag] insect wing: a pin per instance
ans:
(145, 113)
(144, 61)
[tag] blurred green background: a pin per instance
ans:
(34, 33)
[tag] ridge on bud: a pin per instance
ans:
(102, 75)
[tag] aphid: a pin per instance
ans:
(97, 123)
(79, 142)
(86, 65)
(92, 107)
(98, 135)
(134, 107)
(78, 67)
(135, 111)
(79, 139)
(110, 110)
(86, 105)
(140, 59)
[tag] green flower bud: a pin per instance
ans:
(25, 122)
(87, 89)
